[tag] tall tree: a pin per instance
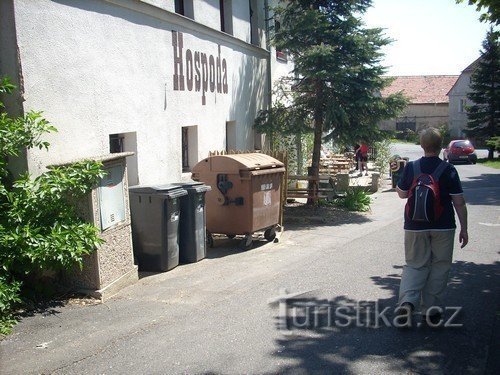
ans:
(484, 114)
(337, 77)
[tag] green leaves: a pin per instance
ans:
(356, 199)
(40, 227)
(337, 75)
(9, 299)
(484, 114)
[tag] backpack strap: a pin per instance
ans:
(439, 170)
(416, 168)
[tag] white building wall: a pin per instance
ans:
(279, 67)
(107, 67)
(207, 13)
(458, 115)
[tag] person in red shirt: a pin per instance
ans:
(362, 153)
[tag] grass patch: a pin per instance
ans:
(495, 163)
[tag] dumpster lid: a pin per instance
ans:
(237, 162)
(171, 190)
(194, 186)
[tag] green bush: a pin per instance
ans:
(9, 299)
(445, 134)
(356, 199)
(383, 155)
(494, 143)
(39, 225)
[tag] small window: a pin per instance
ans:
(116, 143)
(185, 150)
(179, 7)
(189, 147)
(226, 16)
(462, 105)
(254, 23)
(280, 55)
(126, 142)
(185, 8)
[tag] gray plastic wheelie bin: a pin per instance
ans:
(192, 234)
(155, 213)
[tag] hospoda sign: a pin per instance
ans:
(203, 72)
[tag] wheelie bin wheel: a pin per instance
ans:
(210, 239)
(270, 234)
(246, 243)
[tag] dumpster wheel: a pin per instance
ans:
(270, 234)
(210, 239)
(246, 243)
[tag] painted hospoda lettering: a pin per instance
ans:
(203, 72)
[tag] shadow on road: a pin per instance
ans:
(298, 217)
(488, 184)
(317, 345)
(229, 246)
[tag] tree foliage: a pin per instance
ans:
(337, 77)
(490, 9)
(484, 114)
(40, 228)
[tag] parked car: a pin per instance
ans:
(460, 150)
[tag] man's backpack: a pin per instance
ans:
(424, 201)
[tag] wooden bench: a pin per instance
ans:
(323, 193)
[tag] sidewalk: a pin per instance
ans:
(214, 316)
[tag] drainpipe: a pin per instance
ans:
(268, 48)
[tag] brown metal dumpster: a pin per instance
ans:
(245, 196)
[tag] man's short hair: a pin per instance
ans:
(431, 140)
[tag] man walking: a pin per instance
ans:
(433, 189)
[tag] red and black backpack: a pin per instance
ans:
(424, 199)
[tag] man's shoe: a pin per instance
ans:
(404, 315)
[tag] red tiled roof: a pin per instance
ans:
(422, 89)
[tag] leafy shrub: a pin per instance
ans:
(9, 299)
(356, 199)
(383, 156)
(39, 225)
(444, 131)
(494, 143)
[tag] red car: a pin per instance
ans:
(460, 150)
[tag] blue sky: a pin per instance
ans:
(430, 36)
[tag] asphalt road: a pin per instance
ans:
(215, 316)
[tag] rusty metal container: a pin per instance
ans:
(245, 196)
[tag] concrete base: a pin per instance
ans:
(110, 290)
(375, 182)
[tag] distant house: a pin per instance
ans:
(428, 101)
(458, 101)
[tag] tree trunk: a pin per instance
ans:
(316, 155)
(490, 153)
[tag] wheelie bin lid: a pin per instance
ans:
(194, 186)
(170, 190)
(237, 162)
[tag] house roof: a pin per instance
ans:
(470, 69)
(472, 66)
(422, 89)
